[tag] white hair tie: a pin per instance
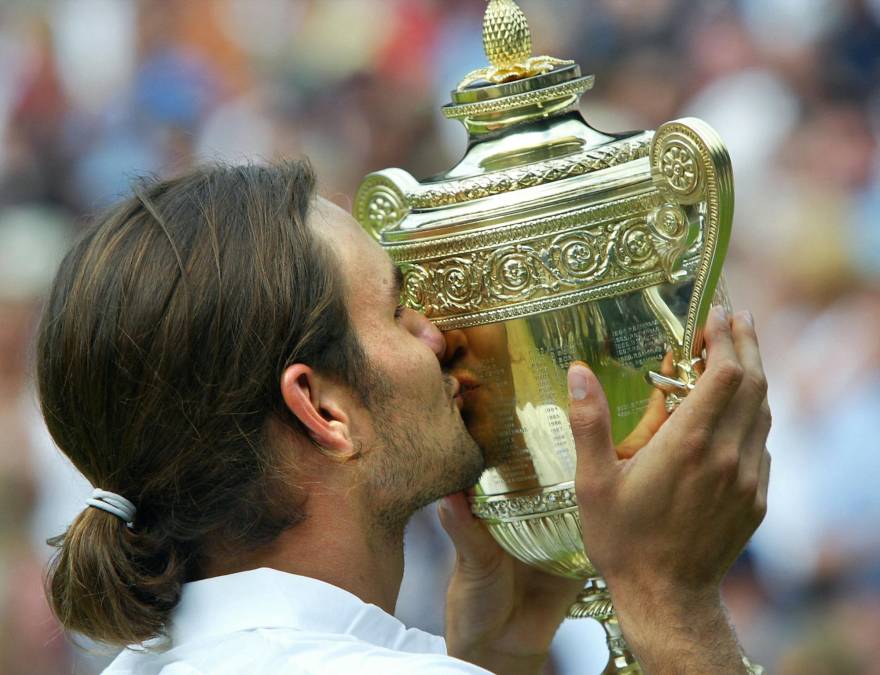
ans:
(113, 503)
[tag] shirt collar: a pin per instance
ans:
(267, 598)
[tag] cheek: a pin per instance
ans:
(415, 376)
(407, 364)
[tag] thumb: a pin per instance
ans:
(590, 423)
(474, 546)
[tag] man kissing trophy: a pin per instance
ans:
(551, 242)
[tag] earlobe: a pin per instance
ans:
(315, 407)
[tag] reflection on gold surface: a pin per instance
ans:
(517, 409)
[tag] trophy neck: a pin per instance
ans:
(538, 140)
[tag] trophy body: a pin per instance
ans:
(552, 242)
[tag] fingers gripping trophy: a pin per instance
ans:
(551, 242)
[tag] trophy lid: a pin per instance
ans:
(543, 210)
(516, 87)
(526, 138)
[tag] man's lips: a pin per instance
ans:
(465, 382)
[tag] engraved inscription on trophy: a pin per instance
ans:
(635, 344)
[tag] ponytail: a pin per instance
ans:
(112, 583)
(159, 359)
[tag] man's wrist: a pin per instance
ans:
(678, 630)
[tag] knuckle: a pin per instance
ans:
(697, 440)
(759, 508)
(729, 373)
(766, 415)
(585, 421)
(748, 487)
(727, 466)
(757, 385)
(586, 487)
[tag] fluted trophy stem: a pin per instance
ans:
(594, 602)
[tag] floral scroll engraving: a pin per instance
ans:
(547, 265)
(669, 227)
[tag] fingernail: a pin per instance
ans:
(577, 381)
(721, 312)
(748, 318)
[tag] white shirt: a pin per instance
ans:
(269, 622)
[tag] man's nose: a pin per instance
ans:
(427, 332)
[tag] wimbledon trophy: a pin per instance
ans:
(549, 242)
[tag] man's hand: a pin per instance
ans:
(664, 526)
(500, 614)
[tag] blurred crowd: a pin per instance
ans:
(94, 93)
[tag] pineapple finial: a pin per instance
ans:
(508, 45)
(506, 36)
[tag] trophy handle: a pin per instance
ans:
(382, 201)
(691, 167)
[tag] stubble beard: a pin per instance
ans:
(414, 470)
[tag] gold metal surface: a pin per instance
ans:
(551, 242)
(508, 45)
(563, 94)
(539, 173)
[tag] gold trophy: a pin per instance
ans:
(549, 242)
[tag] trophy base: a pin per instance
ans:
(594, 602)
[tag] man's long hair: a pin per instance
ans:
(160, 356)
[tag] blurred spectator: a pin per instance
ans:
(94, 93)
(32, 240)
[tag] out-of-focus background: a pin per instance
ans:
(96, 92)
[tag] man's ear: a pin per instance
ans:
(318, 409)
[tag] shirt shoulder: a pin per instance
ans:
(371, 663)
(284, 652)
(329, 655)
